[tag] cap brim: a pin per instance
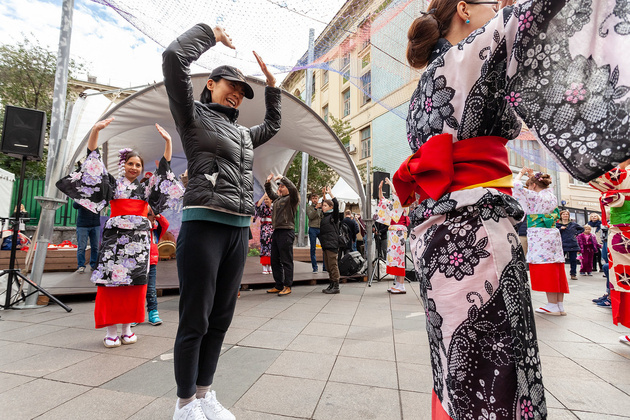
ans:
(249, 92)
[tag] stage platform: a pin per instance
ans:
(71, 283)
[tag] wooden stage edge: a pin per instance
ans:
(71, 283)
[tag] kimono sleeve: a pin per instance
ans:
(389, 211)
(91, 186)
(568, 81)
(166, 191)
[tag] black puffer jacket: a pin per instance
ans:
(329, 228)
(220, 152)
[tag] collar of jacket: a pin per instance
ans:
(230, 113)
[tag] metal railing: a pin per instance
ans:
(64, 216)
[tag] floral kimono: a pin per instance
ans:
(124, 249)
(392, 213)
(615, 189)
(263, 212)
(556, 65)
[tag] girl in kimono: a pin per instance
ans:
(588, 248)
(484, 68)
(122, 271)
(544, 250)
(263, 212)
(615, 189)
(393, 214)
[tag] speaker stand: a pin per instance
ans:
(13, 273)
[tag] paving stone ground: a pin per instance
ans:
(362, 354)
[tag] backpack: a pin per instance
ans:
(344, 236)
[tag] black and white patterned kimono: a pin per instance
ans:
(124, 249)
(563, 68)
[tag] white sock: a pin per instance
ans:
(112, 331)
(126, 329)
(561, 306)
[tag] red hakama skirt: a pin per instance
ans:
(549, 278)
(119, 305)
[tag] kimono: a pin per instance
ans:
(263, 212)
(124, 252)
(392, 213)
(615, 189)
(556, 65)
(544, 251)
(588, 247)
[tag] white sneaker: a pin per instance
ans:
(80, 270)
(625, 339)
(213, 408)
(191, 411)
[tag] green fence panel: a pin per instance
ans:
(64, 216)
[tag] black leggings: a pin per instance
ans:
(210, 262)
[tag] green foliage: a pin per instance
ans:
(342, 129)
(253, 252)
(27, 79)
(361, 168)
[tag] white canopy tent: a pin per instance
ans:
(134, 126)
(345, 194)
(6, 192)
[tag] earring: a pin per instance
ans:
(467, 20)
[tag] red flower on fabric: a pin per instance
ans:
(622, 272)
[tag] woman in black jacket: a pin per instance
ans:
(568, 232)
(218, 205)
(329, 238)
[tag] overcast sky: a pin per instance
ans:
(121, 55)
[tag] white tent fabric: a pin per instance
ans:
(344, 193)
(302, 130)
(6, 192)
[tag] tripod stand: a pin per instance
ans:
(380, 259)
(13, 273)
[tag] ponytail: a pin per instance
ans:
(426, 30)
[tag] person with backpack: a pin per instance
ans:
(329, 238)
(352, 228)
(392, 213)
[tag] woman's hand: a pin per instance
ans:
(102, 124)
(221, 36)
(163, 132)
(271, 81)
(270, 177)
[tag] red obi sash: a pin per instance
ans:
(128, 207)
(441, 166)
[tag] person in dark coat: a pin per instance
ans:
(568, 232)
(595, 222)
(285, 203)
(329, 238)
(88, 227)
(218, 204)
(353, 228)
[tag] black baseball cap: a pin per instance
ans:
(233, 74)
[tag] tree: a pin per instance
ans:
(342, 129)
(27, 79)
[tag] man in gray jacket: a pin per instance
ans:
(285, 203)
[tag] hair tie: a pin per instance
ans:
(122, 158)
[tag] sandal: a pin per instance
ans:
(129, 339)
(395, 291)
(111, 342)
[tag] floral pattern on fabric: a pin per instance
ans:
(124, 249)
(543, 61)
(391, 212)
(544, 245)
(266, 229)
(481, 328)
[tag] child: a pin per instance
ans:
(329, 238)
(159, 226)
(588, 247)
(263, 212)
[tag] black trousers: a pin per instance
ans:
(282, 257)
(210, 262)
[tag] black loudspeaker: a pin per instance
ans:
(23, 132)
(377, 177)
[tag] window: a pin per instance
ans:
(346, 102)
(324, 78)
(345, 67)
(577, 182)
(364, 32)
(366, 143)
(325, 113)
(365, 61)
(313, 84)
(366, 88)
(345, 60)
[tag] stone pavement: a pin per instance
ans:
(362, 354)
